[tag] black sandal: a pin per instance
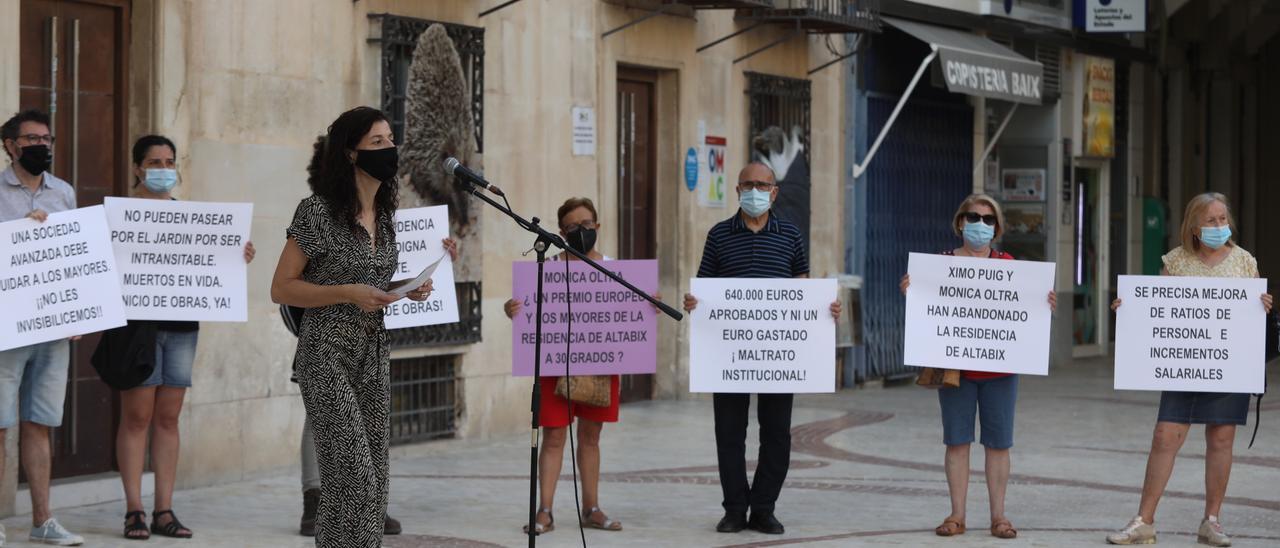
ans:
(131, 529)
(173, 529)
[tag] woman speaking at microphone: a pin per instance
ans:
(578, 226)
(1207, 250)
(337, 264)
(154, 406)
(978, 222)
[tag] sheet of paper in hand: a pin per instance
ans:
(976, 314)
(1187, 334)
(403, 288)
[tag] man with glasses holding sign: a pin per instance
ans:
(753, 244)
(33, 379)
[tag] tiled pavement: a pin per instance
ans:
(866, 471)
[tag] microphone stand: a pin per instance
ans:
(543, 240)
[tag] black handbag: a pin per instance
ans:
(292, 317)
(126, 356)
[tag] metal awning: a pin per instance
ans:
(972, 65)
(975, 65)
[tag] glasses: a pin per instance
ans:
(37, 139)
(588, 225)
(763, 186)
(972, 217)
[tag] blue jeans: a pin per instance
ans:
(33, 383)
(175, 353)
(995, 399)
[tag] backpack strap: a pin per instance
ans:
(1257, 411)
(1257, 418)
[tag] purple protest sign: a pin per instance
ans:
(613, 330)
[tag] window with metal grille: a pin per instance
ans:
(398, 38)
(1049, 56)
(465, 331)
(423, 398)
(778, 101)
(784, 103)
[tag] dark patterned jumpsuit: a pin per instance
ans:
(342, 366)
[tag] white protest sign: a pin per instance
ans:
(975, 314)
(420, 233)
(762, 335)
(181, 261)
(1187, 334)
(59, 278)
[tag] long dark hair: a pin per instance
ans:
(332, 176)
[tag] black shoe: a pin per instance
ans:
(766, 523)
(310, 503)
(390, 526)
(732, 522)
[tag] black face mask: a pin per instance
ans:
(381, 164)
(36, 159)
(582, 240)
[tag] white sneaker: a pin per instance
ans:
(1211, 533)
(1136, 532)
(1, 535)
(54, 533)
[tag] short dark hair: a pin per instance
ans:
(575, 203)
(10, 128)
(144, 143)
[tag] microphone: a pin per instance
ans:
(452, 165)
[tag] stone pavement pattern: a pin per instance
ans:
(866, 471)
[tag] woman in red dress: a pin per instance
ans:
(578, 225)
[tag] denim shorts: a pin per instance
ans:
(175, 353)
(33, 383)
(991, 399)
(1204, 408)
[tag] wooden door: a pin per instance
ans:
(73, 65)
(636, 187)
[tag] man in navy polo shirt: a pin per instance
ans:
(753, 244)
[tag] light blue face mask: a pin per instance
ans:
(978, 234)
(160, 181)
(1215, 236)
(754, 202)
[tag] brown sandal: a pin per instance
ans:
(539, 528)
(1003, 529)
(949, 528)
(606, 525)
